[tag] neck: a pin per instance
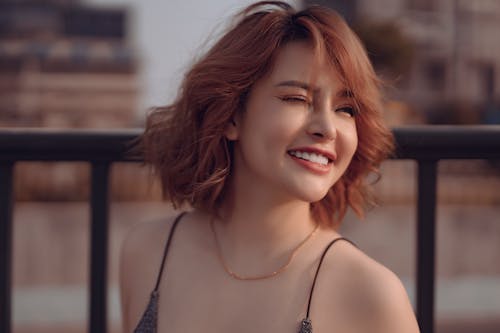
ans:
(260, 222)
(252, 250)
(257, 230)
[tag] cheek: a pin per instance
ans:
(261, 137)
(349, 139)
(283, 129)
(353, 139)
(274, 126)
(347, 145)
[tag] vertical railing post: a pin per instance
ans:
(426, 243)
(6, 202)
(99, 247)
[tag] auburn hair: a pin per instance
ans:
(185, 142)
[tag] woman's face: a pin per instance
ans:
(297, 134)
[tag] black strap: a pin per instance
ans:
(167, 245)
(319, 266)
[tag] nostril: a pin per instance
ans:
(324, 136)
(320, 131)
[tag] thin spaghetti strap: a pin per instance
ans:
(149, 319)
(306, 324)
(165, 251)
(319, 266)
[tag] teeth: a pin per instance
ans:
(313, 157)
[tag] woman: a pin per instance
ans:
(269, 142)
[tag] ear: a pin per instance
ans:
(231, 130)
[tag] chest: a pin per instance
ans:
(197, 295)
(212, 303)
(248, 314)
(201, 297)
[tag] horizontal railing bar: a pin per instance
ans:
(21, 144)
(413, 142)
(448, 142)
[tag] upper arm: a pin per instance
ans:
(394, 312)
(140, 257)
(125, 278)
(373, 298)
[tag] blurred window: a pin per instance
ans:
(87, 22)
(22, 19)
(487, 74)
(435, 74)
(424, 5)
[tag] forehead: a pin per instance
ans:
(297, 61)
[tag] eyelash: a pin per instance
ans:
(351, 111)
(348, 109)
(295, 99)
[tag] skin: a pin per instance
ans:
(300, 103)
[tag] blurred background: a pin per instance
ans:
(103, 63)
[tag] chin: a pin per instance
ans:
(314, 196)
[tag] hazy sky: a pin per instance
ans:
(167, 34)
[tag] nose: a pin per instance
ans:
(322, 126)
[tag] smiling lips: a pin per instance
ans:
(315, 160)
(313, 157)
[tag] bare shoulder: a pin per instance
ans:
(142, 236)
(143, 245)
(140, 261)
(371, 293)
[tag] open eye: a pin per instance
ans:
(348, 110)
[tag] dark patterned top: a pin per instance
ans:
(149, 320)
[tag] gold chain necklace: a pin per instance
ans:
(257, 277)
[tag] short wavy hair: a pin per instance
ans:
(185, 142)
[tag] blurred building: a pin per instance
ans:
(65, 64)
(457, 54)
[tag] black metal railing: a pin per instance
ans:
(426, 144)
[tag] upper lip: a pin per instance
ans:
(330, 155)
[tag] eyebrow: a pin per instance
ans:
(294, 83)
(343, 93)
